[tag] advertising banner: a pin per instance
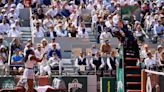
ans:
(75, 83)
(7, 82)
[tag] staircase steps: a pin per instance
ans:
(132, 72)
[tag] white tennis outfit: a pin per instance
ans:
(29, 71)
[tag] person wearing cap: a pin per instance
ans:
(60, 31)
(97, 62)
(54, 49)
(17, 60)
(13, 32)
(51, 33)
(105, 48)
(81, 60)
(150, 62)
(4, 27)
(12, 12)
(105, 35)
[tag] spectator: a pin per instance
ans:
(144, 51)
(52, 42)
(40, 14)
(161, 62)
(47, 22)
(44, 44)
(94, 50)
(39, 32)
(53, 62)
(17, 61)
(97, 62)
(4, 27)
(105, 48)
(54, 49)
(158, 52)
(3, 41)
(60, 31)
(81, 62)
(112, 62)
(150, 62)
(82, 32)
(4, 53)
(51, 33)
(44, 67)
(14, 32)
(52, 11)
(105, 35)
(73, 32)
(39, 51)
(20, 5)
(16, 45)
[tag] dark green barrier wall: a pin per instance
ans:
(7, 82)
(107, 84)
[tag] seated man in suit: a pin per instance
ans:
(81, 63)
(97, 62)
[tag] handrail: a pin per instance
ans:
(31, 25)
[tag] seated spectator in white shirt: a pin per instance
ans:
(17, 24)
(14, 32)
(81, 61)
(20, 5)
(94, 50)
(105, 35)
(39, 32)
(51, 33)
(11, 19)
(60, 31)
(44, 44)
(83, 34)
(53, 63)
(53, 11)
(150, 62)
(52, 42)
(12, 12)
(47, 22)
(4, 27)
(39, 51)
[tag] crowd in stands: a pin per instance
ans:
(63, 18)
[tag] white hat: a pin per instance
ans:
(5, 15)
(12, 9)
(13, 5)
(2, 46)
(3, 10)
(159, 46)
